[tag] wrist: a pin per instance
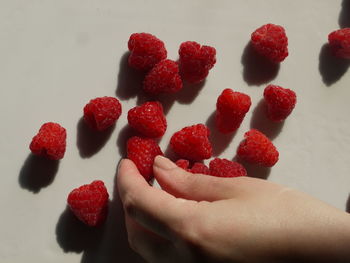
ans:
(327, 239)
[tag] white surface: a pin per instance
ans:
(57, 55)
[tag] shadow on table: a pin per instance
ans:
(186, 95)
(253, 170)
(189, 92)
(260, 122)
(90, 142)
(348, 205)
(330, 67)
(219, 140)
(344, 16)
(124, 134)
(257, 70)
(37, 172)
(170, 154)
(73, 236)
(130, 80)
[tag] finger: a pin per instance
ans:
(147, 244)
(198, 187)
(151, 207)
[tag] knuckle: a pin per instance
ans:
(129, 204)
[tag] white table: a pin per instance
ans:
(57, 55)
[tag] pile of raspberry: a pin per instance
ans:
(191, 144)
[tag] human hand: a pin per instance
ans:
(199, 218)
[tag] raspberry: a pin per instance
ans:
(89, 203)
(146, 51)
(182, 163)
(225, 168)
(192, 142)
(196, 61)
(200, 168)
(197, 168)
(142, 152)
(148, 119)
(271, 41)
(280, 102)
(231, 107)
(163, 78)
(50, 141)
(258, 149)
(102, 113)
(339, 42)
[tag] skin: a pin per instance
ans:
(199, 218)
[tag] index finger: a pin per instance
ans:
(151, 207)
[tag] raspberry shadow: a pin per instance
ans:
(260, 121)
(331, 68)
(218, 140)
(347, 208)
(253, 170)
(186, 95)
(169, 153)
(90, 142)
(37, 172)
(74, 236)
(189, 92)
(344, 16)
(257, 70)
(124, 134)
(130, 80)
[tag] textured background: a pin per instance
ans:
(57, 55)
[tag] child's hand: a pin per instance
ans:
(199, 218)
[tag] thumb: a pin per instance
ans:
(199, 187)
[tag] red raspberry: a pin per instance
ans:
(225, 168)
(192, 142)
(89, 203)
(199, 168)
(182, 163)
(231, 107)
(146, 50)
(271, 41)
(280, 102)
(163, 78)
(142, 152)
(339, 42)
(196, 61)
(50, 141)
(258, 149)
(102, 113)
(148, 119)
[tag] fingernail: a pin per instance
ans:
(164, 163)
